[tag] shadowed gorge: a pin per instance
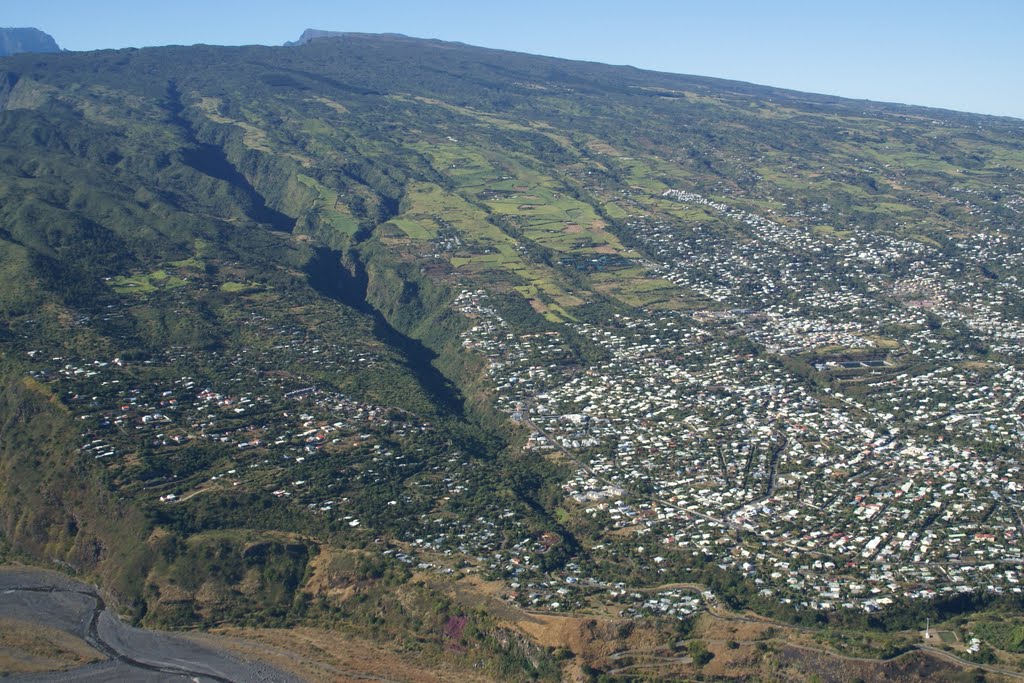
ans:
(329, 276)
(211, 160)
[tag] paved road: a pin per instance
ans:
(51, 599)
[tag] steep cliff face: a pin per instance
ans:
(311, 34)
(7, 83)
(16, 40)
(54, 508)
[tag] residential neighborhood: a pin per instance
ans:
(840, 441)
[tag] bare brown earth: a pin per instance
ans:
(321, 655)
(32, 648)
(801, 664)
(746, 647)
(538, 306)
(603, 148)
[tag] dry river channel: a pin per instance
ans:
(52, 600)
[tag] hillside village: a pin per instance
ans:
(827, 439)
(840, 467)
(819, 400)
(839, 442)
(501, 364)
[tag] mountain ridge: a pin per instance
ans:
(311, 34)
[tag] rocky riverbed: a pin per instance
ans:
(54, 602)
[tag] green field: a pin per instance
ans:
(418, 230)
(1004, 634)
(328, 207)
(145, 283)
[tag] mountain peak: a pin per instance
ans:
(15, 40)
(311, 34)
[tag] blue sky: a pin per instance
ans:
(956, 55)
